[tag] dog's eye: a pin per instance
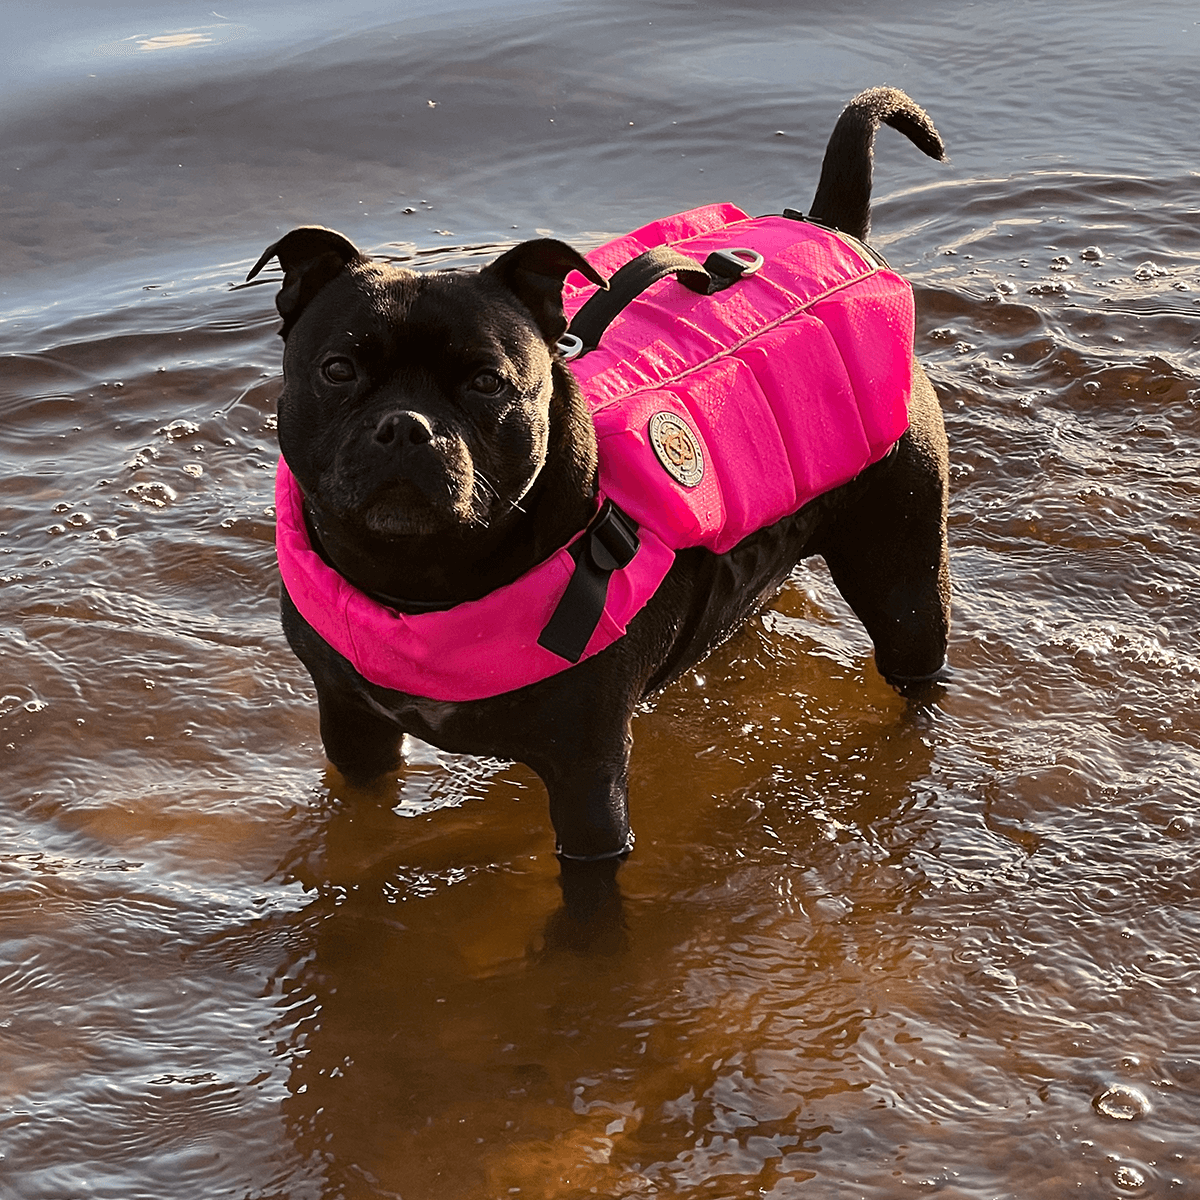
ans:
(339, 370)
(487, 383)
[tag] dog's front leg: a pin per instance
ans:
(590, 814)
(588, 804)
(580, 745)
(360, 739)
(362, 743)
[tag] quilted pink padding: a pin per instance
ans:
(791, 382)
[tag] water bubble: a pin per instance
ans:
(1061, 263)
(179, 429)
(1121, 1102)
(1060, 287)
(1147, 271)
(1091, 254)
(1129, 1178)
(157, 495)
(1180, 826)
(141, 458)
(1005, 288)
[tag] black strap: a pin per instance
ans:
(608, 544)
(718, 271)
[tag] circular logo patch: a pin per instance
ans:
(677, 448)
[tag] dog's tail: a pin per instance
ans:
(843, 198)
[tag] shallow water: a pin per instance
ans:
(869, 952)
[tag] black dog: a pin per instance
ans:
(443, 449)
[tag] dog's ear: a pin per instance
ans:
(534, 272)
(310, 257)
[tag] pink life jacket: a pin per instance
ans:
(715, 415)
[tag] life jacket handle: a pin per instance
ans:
(718, 271)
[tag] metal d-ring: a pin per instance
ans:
(745, 260)
(569, 346)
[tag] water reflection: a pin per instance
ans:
(174, 41)
(179, 39)
(442, 1033)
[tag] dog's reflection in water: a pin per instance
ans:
(462, 842)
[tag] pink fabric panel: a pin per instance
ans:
(671, 330)
(803, 375)
(474, 650)
(750, 460)
(607, 258)
(631, 474)
(648, 344)
(696, 221)
(857, 319)
(815, 262)
(308, 587)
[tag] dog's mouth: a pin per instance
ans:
(402, 509)
(447, 493)
(427, 491)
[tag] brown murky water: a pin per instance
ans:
(868, 952)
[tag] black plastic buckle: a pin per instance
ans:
(609, 543)
(612, 539)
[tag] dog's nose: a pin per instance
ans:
(403, 429)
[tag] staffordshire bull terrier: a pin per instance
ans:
(439, 456)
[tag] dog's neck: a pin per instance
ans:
(437, 571)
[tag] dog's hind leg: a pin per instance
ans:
(886, 549)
